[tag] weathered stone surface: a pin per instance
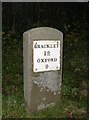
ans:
(41, 89)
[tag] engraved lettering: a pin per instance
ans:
(48, 53)
(46, 60)
(55, 59)
(38, 60)
(44, 53)
(42, 60)
(46, 66)
(46, 45)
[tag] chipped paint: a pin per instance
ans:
(44, 98)
(42, 106)
(49, 80)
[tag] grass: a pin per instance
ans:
(74, 85)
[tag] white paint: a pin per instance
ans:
(44, 98)
(42, 106)
(46, 59)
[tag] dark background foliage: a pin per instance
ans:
(19, 17)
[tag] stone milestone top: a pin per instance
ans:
(44, 33)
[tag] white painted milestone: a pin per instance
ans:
(46, 55)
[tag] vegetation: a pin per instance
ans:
(71, 19)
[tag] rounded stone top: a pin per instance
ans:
(44, 33)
